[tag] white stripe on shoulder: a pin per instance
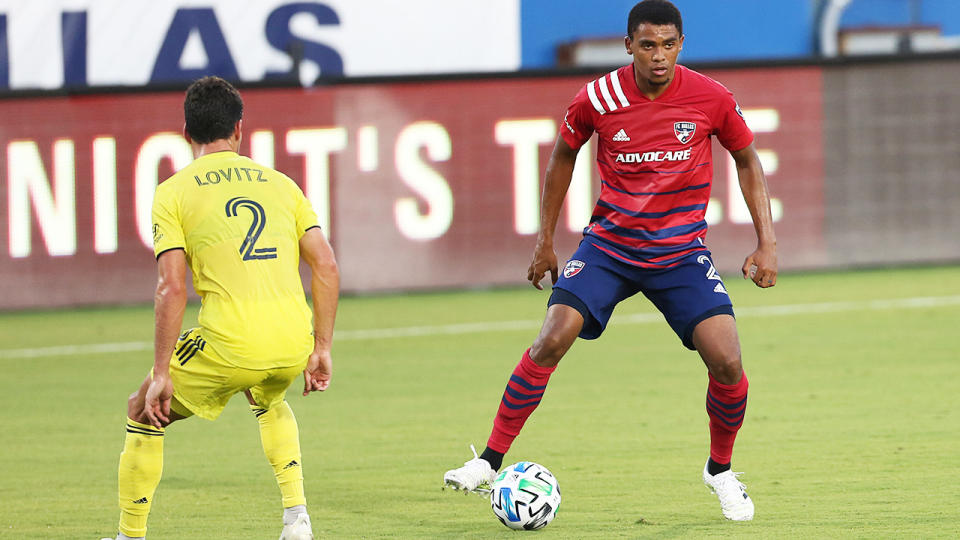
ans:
(615, 79)
(602, 83)
(593, 98)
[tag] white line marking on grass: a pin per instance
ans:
(70, 350)
(501, 326)
(437, 330)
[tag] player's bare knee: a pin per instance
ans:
(726, 369)
(134, 407)
(548, 349)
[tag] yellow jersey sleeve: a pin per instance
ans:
(305, 215)
(167, 228)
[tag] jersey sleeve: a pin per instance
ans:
(305, 215)
(578, 123)
(167, 226)
(732, 130)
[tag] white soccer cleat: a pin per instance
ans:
(734, 501)
(298, 530)
(476, 475)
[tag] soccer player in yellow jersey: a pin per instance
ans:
(242, 229)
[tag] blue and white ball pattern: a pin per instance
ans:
(525, 496)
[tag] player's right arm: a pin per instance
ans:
(555, 186)
(170, 301)
(325, 292)
(577, 128)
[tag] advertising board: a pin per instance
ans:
(422, 184)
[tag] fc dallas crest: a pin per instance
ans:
(684, 131)
(573, 268)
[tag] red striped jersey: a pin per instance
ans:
(655, 163)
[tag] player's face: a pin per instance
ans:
(654, 48)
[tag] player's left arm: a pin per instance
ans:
(170, 301)
(761, 265)
(325, 293)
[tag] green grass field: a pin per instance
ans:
(852, 431)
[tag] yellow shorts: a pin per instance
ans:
(203, 382)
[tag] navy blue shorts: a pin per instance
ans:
(593, 283)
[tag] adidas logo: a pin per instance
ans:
(621, 136)
(719, 289)
(141, 500)
(291, 464)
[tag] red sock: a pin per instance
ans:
(726, 405)
(522, 395)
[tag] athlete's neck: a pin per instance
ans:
(219, 145)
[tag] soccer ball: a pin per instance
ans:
(525, 496)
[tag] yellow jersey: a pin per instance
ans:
(240, 225)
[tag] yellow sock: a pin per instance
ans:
(281, 444)
(141, 465)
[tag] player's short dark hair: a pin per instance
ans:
(211, 109)
(654, 12)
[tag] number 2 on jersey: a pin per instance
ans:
(248, 249)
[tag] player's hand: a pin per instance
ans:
(544, 260)
(156, 405)
(761, 267)
(318, 373)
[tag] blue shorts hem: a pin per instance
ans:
(591, 327)
(687, 338)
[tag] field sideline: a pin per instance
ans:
(851, 430)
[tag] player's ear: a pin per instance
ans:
(187, 135)
(680, 48)
(238, 131)
(626, 43)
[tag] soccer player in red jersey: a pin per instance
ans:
(654, 120)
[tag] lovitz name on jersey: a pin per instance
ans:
(227, 175)
(645, 157)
